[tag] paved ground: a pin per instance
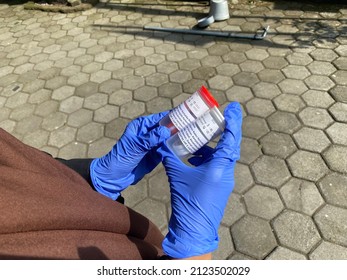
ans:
(70, 82)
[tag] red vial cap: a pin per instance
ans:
(209, 99)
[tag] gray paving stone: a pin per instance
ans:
(275, 62)
(282, 253)
(36, 139)
(251, 66)
(320, 82)
(220, 82)
(167, 67)
(311, 139)
(341, 63)
(110, 86)
(46, 108)
(336, 158)
(296, 72)
(54, 121)
(21, 112)
(245, 79)
(120, 97)
(90, 132)
(100, 147)
(296, 231)
(158, 186)
(55, 82)
(263, 202)
(266, 90)
(16, 100)
(106, 114)
(283, 122)
(135, 194)
(321, 68)
(329, 251)
(157, 79)
(86, 89)
(324, 55)
(80, 118)
(338, 110)
(301, 196)
(259, 241)
(299, 58)
(250, 150)
(340, 77)
(71, 104)
(132, 109)
(204, 73)
(293, 86)
(145, 93)
(239, 94)
(243, 178)
(225, 246)
(159, 104)
(315, 117)
(307, 165)
(73, 150)
(337, 132)
(277, 144)
(254, 127)
(62, 136)
(289, 103)
(234, 210)
(331, 221)
(270, 171)
(316, 98)
(115, 128)
(260, 107)
(334, 189)
(339, 93)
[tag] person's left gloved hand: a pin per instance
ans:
(131, 158)
(199, 194)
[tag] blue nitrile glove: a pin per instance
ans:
(199, 194)
(131, 158)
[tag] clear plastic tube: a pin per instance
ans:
(188, 111)
(191, 138)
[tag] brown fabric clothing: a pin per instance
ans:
(48, 211)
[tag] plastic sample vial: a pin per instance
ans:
(188, 111)
(191, 138)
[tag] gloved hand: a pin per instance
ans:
(199, 194)
(131, 158)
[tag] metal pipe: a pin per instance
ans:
(211, 33)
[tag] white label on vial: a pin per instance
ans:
(188, 111)
(199, 133)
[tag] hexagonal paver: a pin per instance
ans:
(106, 114)
(243, 178)
(259, 240)
(336, 158)
(301, 196)
(71, 104)
(132, 109)
(281, 253)
(338, 110)
(315, 117)
(36, 139)
(334, 189)
(338, 133)
(271, 76)
(321, 68)
(266, 90)
(90, 132)
(250, 150)
(277, 144)
(263, 202)
(293, 86)
(135, 194)
(159, 104)
(62, 136)
(319, 82)
(329, 251)
(289, 103)
(234, 210)
(220, 82)
(28, 124)
(307, 165)
(296, 231)
(80, 118)
(283, 122)
(254, 127)
(73, 150)
(86, 89)
(239, 94)
(331, 221)
(315, 98)
(270, 171)
(158, 186)
(245, 79)
(120, 97)
(275, 62)
(324, 55)
(311, 139)
(225, 247)
(296, 72)
(260, 107)
(340, 77)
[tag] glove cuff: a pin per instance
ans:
(109, 188)
(184, 247)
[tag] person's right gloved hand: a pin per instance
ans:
(199, 194)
